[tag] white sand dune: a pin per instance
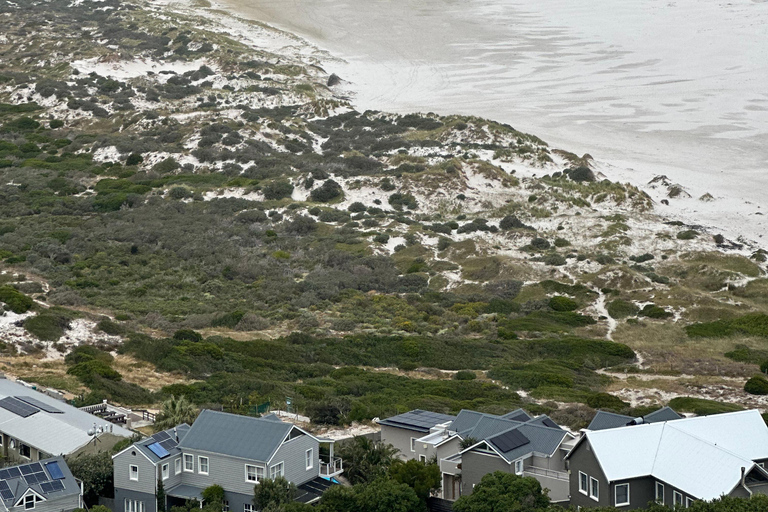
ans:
(649, 87)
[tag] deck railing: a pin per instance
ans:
(332, 468)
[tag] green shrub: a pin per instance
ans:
(464, 375)
(56, 123)
(702, 406)
(560, 303)
(188, 335)
(328, 191)
(744, 354)
(512, 222)
(381, 238)
(15, 300)
(107, 326)
(229, 320)
(48, 326)
(134, 159)
(399, 200)
(619, 308)
(84, 353)
(540, 243)
(606, 401)
(757, 385)
(753, 324)
(277, 189)
(88, 370)
(688, 234)
(654, 311)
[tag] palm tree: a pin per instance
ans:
(175, 411)
(365, 460)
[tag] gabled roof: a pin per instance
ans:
(61, 432)
(49, 478)
(237, 436)
(528, 438)
(605, 419)
(702, 456)
(517, 415)
(167, 439)
(417, 420)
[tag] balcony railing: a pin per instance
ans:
(549, 473)
(333, 468)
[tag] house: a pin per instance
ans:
(35, 426)
(673, 462)
(472, 444)
(235, 452)
(605, 419)
(43, 486)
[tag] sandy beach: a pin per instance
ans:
(647, 87)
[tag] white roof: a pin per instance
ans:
(54, 433)
(702, 456)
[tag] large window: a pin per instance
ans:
(583, 483)
(659, 492)
(677, 498)
(622, 494)
(202, 465)
(134, 506)
(177, 466)
(25, 451)
(594, 489)
(248, 508)
(413, 444)
(165, 471)
(134, 473)
(689, 502)
(310, 458)
(29, 502)
(254, 473)
(277, 470)
(519, 467)
(189, 463)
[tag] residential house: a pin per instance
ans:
(515, 442)
(235, 452)
(605, 419)
(35, 426)
(43, 486)
(673, 462)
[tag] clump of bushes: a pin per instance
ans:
(328, 191)
(399, 200)
(464, 375)
(753, 324)
(15, 300)
(654, 311)
(277, 189)
(512, 222)
(560, 303)
(619, 308)
(49, 325)
(757, 385)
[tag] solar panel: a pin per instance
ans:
(36, 467)
(18, 407)
(510, 440)
(54, 470)
(39, 404)
(58, 485)
(169, 444)
(549, 423)
(26, 470)
(161, 436)
(4, 486)
(7, 495)
(35, 478)
(47, 487)
(4, 474)
(13, 472)
(158, 450)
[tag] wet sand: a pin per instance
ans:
(674, 87)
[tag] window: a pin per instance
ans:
(689, 502)
(677, 498)
(583, 483)
(25, 451)
(165, 471)
(134, 506)
(189, 463)
(134, 473)
(202, 465)
(621, 494)
(248, 508)
(177, 466)
(413, 444)
(594, 488)
(310, 458)
(29, 502)
(277, 470)
(422, 458)
(519, 467)
(225, 506)
(660, 492)
(254, 473)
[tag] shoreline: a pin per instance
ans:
(739, 219)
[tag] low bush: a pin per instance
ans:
(757, 385)
(15, 300)
(464, 375)
(619, 308)
(753, 324)
(702, 406)
(49, 325)
(560, 303)
(326, 192)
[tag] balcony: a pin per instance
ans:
(333, 468)
(555, 481)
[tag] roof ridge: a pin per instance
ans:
(710, 443)
(658, 446)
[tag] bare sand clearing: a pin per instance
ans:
(648, 87)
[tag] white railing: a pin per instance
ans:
(549, 473)
(332, 468)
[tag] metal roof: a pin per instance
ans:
(57, 433)
(50, 478)
(238, 436)
(418, 420)
(605, 419)
(517, 415)
(166, 439)
(702, 456)
(541, 440)
(187, 492)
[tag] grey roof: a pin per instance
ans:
(488, 426)
(238, 436)
(418, 420)
(604, 419)
(187, 492)
(168, 438)
(56, 433)
(541, 439)
(16, 481)
(517, 415)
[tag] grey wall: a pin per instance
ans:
(400, 438)
(449, 448)
(173, 479)
(237, 501)
(147, 473)
(293, 454)
(228, 472)
(150, 502)
(475, 465)
(583, 459)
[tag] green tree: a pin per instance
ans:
(384, 495)
(339, 498)
(422, 477)
(96, 473)
(160, 494)
(175, 411)
(213, 494)
(366, 460)
(273, 493)
(504, 492)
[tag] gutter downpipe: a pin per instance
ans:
(743, 480)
